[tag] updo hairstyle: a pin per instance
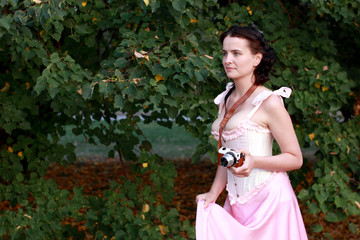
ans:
(257, 43)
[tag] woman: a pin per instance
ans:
(261, 203)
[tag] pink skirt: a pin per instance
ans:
(273, 213)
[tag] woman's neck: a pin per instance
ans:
(242, 85)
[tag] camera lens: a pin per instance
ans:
(227, 160)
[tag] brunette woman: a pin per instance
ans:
(261, 203)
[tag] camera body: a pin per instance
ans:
(230, 157)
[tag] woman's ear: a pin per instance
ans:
(257, 59)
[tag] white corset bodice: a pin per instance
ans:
(257, 139)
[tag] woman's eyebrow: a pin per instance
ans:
(233, 50)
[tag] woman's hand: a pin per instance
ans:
(246, 168)
(208, 197)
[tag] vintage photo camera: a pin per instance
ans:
(230, 157)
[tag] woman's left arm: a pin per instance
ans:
(281, 127)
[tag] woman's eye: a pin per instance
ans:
(236, 53)
(224, 53)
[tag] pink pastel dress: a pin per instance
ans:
(262, 206)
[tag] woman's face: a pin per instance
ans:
(238, 60)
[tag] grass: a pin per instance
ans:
(174, 143)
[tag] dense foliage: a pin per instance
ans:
(70, 63)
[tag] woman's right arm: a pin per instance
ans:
(216, 188)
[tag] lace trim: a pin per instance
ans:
(247, 197)
(246, 124)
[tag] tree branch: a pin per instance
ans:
(288, 13)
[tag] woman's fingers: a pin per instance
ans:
(206, 197)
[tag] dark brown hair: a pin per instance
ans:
(257, 43)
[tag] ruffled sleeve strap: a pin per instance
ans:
(219, 100)
(281, 92)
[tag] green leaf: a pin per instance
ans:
(104, 88)
(54, 58)
(199, 76)
(119, 75)
(183, 78)
(313, 208)
(99, 4)
(154, 4)
(304, 194)
(193, 40)
(353, 227)
(20, 16)
(335, 217)
(53, 83)
(155, 99)
(53, 91)
(129, 90)
(120, 63)
(5, 22)
(19, 177)
(13, 2)
(119, 101)
(91, 215)
(81, 29)
(86, 91)
(173, 112)
(161, 88)
(317, 228)
(179, 5)
(40, 85)
(51, 204)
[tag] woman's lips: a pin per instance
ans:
(229, 68)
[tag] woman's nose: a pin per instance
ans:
(227, 59)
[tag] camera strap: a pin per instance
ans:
(228, 115)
